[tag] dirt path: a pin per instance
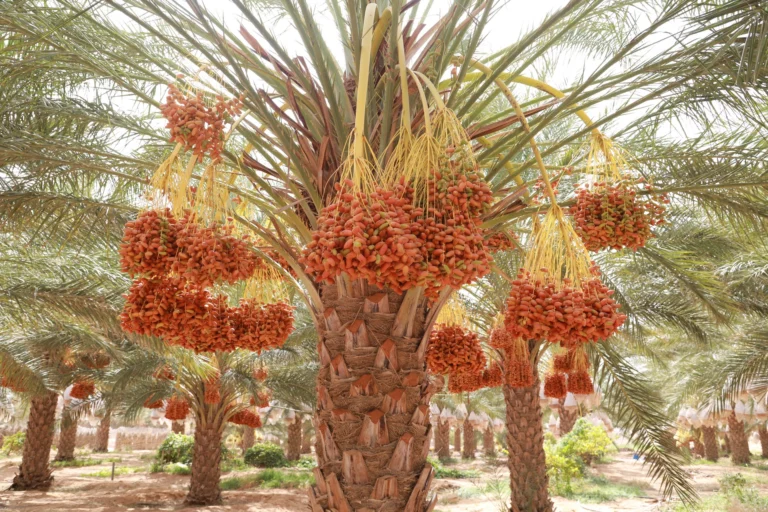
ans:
(74, 491)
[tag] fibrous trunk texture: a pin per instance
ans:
(528, 478)
(249, 437)
(102, 434)
(489, 442)
(567, 418)
(206, 456)
(457, 439)
(763, 433)
(177, 427)
(443, 440)
(306, 440)
(35, 470)
(739, 442)
(293, 451)
(372, 420)
(67, 436)
(710, 443)
(469, 440)
(698, 446)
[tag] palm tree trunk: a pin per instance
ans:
(206, 456)
(443, 439)
(727, 444)
(457, 439)
(102, 433)
(567, 418)
(739, 443)
(177, 427)
(294, 440)
(525, 441)
(35, 470)
(489, 442)
(249, 437)
(710, 443)
(306, 440)
(763, 433)
(469, 440)
(372, 420)
(698, 446)
(67, 436)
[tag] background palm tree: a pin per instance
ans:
(289, 168)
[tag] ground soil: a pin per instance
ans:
(73, 491)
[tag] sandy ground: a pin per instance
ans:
(72, 491)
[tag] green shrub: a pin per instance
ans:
(270, 479)
(561, 470)
(305, 462)
(586, 441)
(443, 472)
(265, 455)
(177, 469)
(176, 448)
(14, 443)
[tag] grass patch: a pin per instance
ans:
(230, 465)
(269, 479)
(107, 473)
(442, 472)
(598, 489)
(77, 463)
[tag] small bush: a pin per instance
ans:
(232, 464)
(14, 443)
(305, 462)
(177, 469)
(270, 479)
(265, 455)
(561, 470)
(176, 448)
(586, 441)
(443, 472)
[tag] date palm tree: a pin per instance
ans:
(283, 157)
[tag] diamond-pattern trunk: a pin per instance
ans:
(469, 440)
(443, 440)
(710, 443)
(306, 440)
(206, 457)
(567, 418)
(249, 437)
(35, 469)
(528, 478)
(177, 427)
(372, 420)
(739, 442)
(489, 442)
(67, 437)
(102, 434)
(698, 446)
(293, 451)
(457, 439)
(763, 433)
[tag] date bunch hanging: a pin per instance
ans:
(198, 123)
(176, 408)
(174, 262)
(616, 210)
(613, 216)
(247, 418)
(568, 305)
(82, 389)
(419, 228)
